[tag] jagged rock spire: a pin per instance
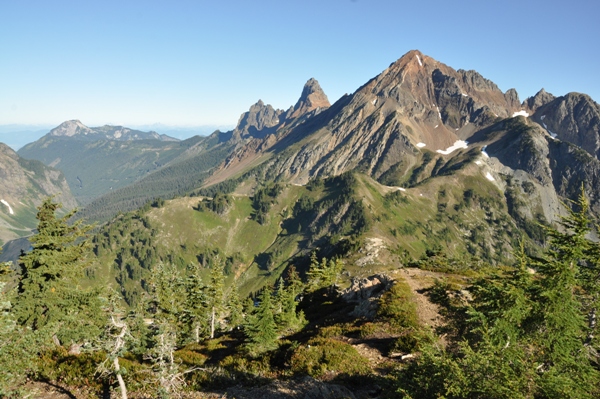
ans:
(312, 97)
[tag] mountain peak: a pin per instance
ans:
(70, 128)
(542, 97)
(312, 97)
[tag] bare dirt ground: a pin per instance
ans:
(419, 280)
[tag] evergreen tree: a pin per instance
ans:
(285, 315)
(214, 293)
(261, 329)
(526, 334)
(49, 295)
(234, 307)
(195, 310)
(324, 274)
(167, 288)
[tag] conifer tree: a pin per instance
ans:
(195, 310)
(324, 274)
(49, 295)
(234, 307)
(167, 287)
(285, 316)
(528, 335)
(261, 329)
(214, 293)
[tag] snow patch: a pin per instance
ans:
(489, 176)
(545, 127)
(554, 135)
(436, 126)
(478, 162)
(401, 189)
(457, 144)
(374, 102)
(542, 117)
(10, 210)
(485, 154)
(521, 113)
(421, 145)
(438, 110)
(464, 95)
(418, 59)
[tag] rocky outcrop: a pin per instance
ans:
(260, 120)
(25, 183)
(573, 168)
(365, 293)
(541, 98)
(312, 98)
(574, 118)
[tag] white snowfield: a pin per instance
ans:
(522, 113)
(421, 145)
(10, 210)
(489, 176)
(419, 59)
(457, 145)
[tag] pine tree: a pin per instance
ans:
(324, 274)
(214, 293)
(285, 316)
(195, 311)
(527, 335)
(261, 329)
(234, 307)
(167, 288)
(49, 295)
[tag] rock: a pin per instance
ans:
(365, 292)
(305, 388)
(574, 118)
(541, 98)
(312, 98)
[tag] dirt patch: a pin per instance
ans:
(420, 280)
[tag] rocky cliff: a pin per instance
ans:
(25, 183)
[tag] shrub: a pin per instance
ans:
(398, 307)
(321, 355)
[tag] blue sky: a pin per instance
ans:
(199, 62)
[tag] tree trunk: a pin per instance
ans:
(120, 378)
(212, 323)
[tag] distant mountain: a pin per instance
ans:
(77, 129)
(188, 171)
(25, 183)
(100, 159)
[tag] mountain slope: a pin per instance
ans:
(416, 101)
(25, 183)
(98, 160)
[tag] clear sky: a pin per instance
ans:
(205, 62)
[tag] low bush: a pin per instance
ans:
(323, 355)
